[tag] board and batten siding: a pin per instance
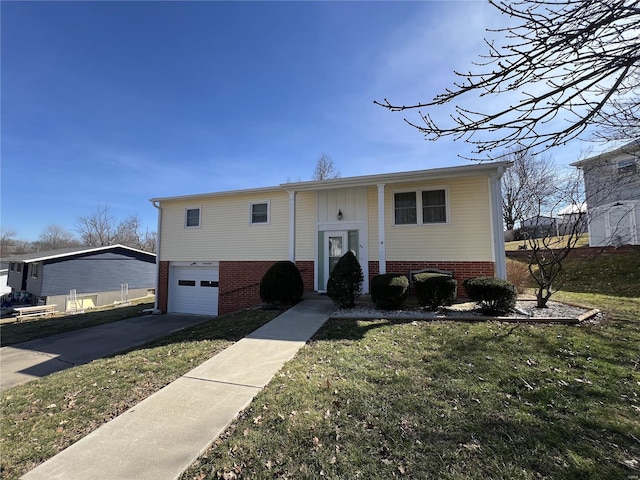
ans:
(305, 225)
(466, 236)
(225, 231)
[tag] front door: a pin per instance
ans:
(335, 246)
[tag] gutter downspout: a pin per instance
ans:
(382, 249)
(156, 204)
(497, 230)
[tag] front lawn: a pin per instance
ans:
(447, 400)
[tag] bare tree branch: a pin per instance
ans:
(571, 64)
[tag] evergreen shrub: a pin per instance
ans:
(345, 281)
(434, 289)
(493, 295)
(282, 284)
(389, 290)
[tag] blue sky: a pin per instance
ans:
(118, 102)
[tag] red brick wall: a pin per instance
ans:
(163, 286)
(461, 270)
(240, 283)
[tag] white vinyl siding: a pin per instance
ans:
(305, 225)
(225, 233)
(465, 237)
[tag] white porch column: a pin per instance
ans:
(495, 188)
(382, 260)
(292, 226)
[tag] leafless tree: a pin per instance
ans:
(55, 236)
(7, 241)
(531, 178)
(547, 251)
(569, 64)
(130, 232)
(97, 229)
(325, 169)
(101, 228)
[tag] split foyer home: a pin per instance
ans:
(214, 248)
(96, 275)
(612, 191)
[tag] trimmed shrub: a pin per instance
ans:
(389, 290)
(434, 289)
(493, 295)
(345, 282)
(282, 284)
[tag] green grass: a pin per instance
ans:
(449, 400)
(42, 417)
(583, 241)
(380, 399)
(17, 332)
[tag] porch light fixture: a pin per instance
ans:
(339, 214)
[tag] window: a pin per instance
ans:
(259, 213)
(192, 218)
(12, 265)
(434, 208)
(19, 267)
(405, 208)
(187, 283)
(433, 205)
(34, 270)
(627, 165)
(208, 283)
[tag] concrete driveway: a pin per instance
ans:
(28, 361)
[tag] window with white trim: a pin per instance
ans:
(192, 217)
(628, 165)
(259, 213)
(434, 206)
(432, 202)
(404, 205)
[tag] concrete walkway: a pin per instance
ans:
(164, 434)
(28, 361)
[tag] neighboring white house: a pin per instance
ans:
(4, 276)
(612, 189)
(214, 248)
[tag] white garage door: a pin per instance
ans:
(195, 290)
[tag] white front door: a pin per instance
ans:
(335, 246)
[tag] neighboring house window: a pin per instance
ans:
(259, 213)
(13, 266)
(19, 267)
(192, 217)
(434, 206)
(627, 165)
(34, 270)
(404, 204)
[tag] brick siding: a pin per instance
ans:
(461, 270)
(163, 286)
(240, 283)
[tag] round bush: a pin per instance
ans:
(434, 289)
(345, 282)
(493, 295)
(389, 290)
(282, 284)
